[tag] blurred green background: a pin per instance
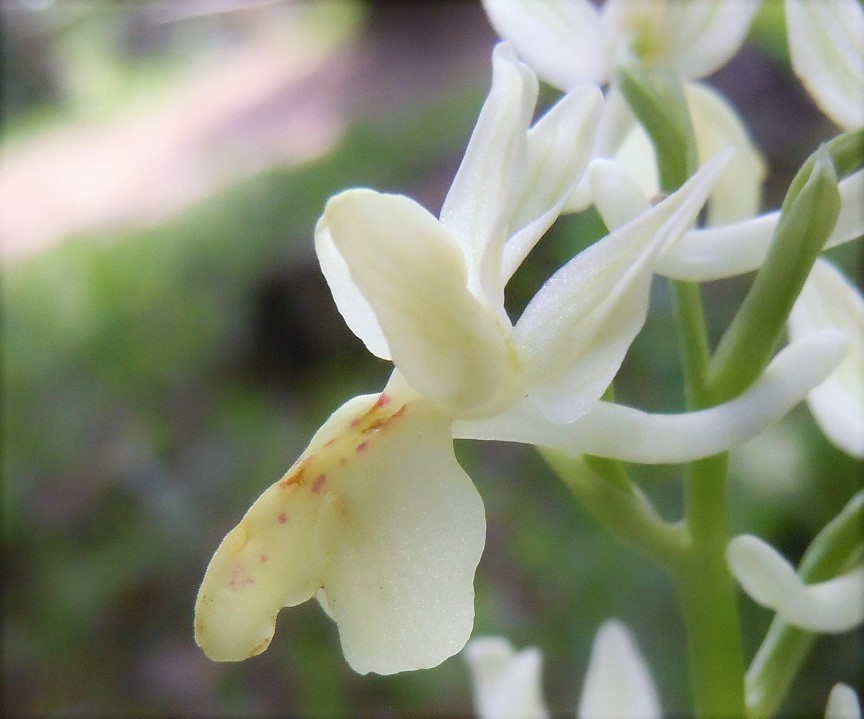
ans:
(169, 347)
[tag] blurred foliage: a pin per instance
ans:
(156, 381)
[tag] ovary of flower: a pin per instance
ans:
(507, 684)
(826, 46)
(836, 605)
(379, 520)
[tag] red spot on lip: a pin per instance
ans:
(282, 518)
(330, 443)
(264, 558)
(383, 400)
(362, 446)
(319, 482)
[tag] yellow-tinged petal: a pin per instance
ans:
(828, 300)
(379, 521)
(277, 555)
(411, 530)
(449, 346)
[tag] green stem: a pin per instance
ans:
(692, 339)
(704, 583)
(708, 595)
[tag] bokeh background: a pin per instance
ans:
(169, 346)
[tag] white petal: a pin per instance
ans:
(618, 683)
(619, 198)
(715, 252)
(738, 192)
(411, 531)
(694, 37)
(826, 45)
(611, 430)
(842, 703)
(276, 556)
(832, 606)
(559, 148)
(507, 685)
(575, 332)
(448, 345)
(353, 307)
(477, 208)
(562, 40)
(829, 300)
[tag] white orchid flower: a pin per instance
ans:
(826, 46)
(571, 41)
(835, 605)
(567, 42)
(828, 300)
(842, 703)
(507, 684)
(376, 519)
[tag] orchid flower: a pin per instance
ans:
(617, 683)
(571, 41)
(376, 519)
(835, 605)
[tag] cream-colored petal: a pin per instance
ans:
(826, 45)
(836, 605)
(828, 300)
(738, 192)
(715, 252)
(673, 438)
(559, 148)
(618, 197)
(618, 683)
(507, 684)
(694, 37)
(478, 206)
(563, 41)
(411, 530)
(842, 703)
(449, 346)
(353, 307)
(575, 332)
(276, 556)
